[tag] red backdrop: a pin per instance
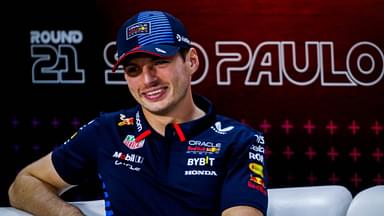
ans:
(308, 74)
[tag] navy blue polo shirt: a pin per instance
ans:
(197, 168)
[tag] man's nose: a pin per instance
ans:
(149, 73)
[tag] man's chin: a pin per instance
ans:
(157, 109)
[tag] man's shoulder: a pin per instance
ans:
(239, 134)
(118, 113)
(236, 125)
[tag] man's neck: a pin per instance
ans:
(159, 122)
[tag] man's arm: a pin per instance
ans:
(242, 211)
(37, 188)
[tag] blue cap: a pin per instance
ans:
(156, 33)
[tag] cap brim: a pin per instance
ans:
(159, 50)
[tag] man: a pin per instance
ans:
(170, 155)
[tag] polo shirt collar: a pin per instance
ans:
(184, 130)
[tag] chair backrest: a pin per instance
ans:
(327, 200)
(89, 208)
(10, 211)
(368, 202)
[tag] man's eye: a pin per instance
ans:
(161, 62)
(131, 71)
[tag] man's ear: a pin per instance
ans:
(193, 59)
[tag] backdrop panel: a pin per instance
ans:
(308, 74)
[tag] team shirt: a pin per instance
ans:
(197, 168)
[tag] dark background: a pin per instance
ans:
(37, 117)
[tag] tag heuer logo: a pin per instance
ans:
(130, 142)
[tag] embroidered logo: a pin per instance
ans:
(139, 28)
(125, 120)
(160, 50)
(131, 143)
(217, 128)
(138, 122)
(203, 147)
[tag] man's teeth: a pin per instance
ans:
(154, 92)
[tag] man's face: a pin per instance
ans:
(158, 84)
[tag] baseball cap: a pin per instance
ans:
(156, 33)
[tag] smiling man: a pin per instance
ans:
(169, 155)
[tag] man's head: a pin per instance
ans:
(158, 60)
(156, 33)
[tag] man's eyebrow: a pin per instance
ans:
(151, 58)
(128, 63)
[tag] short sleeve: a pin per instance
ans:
(246, 179)
(75, 160)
